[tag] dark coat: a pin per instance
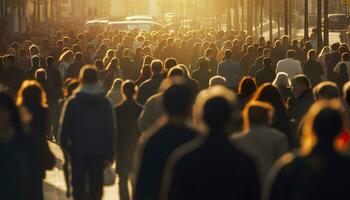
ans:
(128, 133)
(299, 106)
(202, 76)
(127, 66)
(321, 175)
(73, 70)
(211, 168)
(12, 77)
(154, 149)
(246, 61)
(88, 126)
(313, 70)
(332, 60)
(265, 75)
(149, 88)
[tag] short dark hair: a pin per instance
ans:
(169, 63)
(10, 58)
(208, 51)
(50, 61)
(346, 56)
(156, 67)
(78, 56)
(178, 99)
(257, 113)
(129, 88)
(228, 54)
(267, 62)
(326, 90)
(175, 71)
(291, 54)
(302, 80)
(217, 112)
(88, 74)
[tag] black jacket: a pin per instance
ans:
(149, 88)
(88, 126)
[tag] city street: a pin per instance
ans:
(54, 184)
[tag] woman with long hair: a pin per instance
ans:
(65, 60)
(31, 98)
(112, 72)
(270, 94)
(246, 89)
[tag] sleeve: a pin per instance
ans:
(66, 124)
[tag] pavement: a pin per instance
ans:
(55, 186)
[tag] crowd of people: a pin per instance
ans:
(187, 114)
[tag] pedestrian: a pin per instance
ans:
(211, 167)
(290, 65)
(313, 69)
(157, 144)
(296, 176)
(266, 74)
(202, 74)
(115, 93)
(11, 75)
(88, 120)
(282, 82)
(73, 69)
(230, 70)
(127, 113)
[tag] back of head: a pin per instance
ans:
(175, 71)
(78, 56)
(170, 63)
(301, 80)
(50, 61)
(326, 90)
(88, 75)
(129, 89)
(156, 67)
(228, 54)
(216, 112)
(217, 81)
(178, 100)
(281, 80)
(311, 54)
(291, 54)
(267, 62)
(257, 113)
(40, 74)
(247, 86)
(31, 94)
(346, 56)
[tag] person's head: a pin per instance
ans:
(267, 62)
(40, 75)
(88, 75)
(113, 65)
(251, 49)
(147, 60)
(270, 94)
(129, 89)
(300, 84)
(34, 50)
(209, 53)
(257, 113)
(10, 123)
(126, 53)
(146, 71)
(346, 93)
(325, 50)
(282, 80)
(78, 57)
(215, 107)
(35, 62)
(170, 63)
(345, 56)
(117, 83)
(31, 94)
(267, 52)
(185, 70)
(178, 100)
(156, 67)
(323, 123)
(66, 56)
(335, 46)
(9, 60)
(72, 84)
(326, 91)
(217, 81)
(291, 54)
(228, 54)
(247, 86)
(50, 61)
(311, 54)
(99, 64)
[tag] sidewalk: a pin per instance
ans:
(54, 184)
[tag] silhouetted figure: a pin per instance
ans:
(247, 60)
(168, 64)
(87, 135)
(15, 181)
(111, 73)
(263, 143)
(259, 62)
(127, 66)
(211, 167)
(266, 74)
(32, 99)
(11, 75)
(290, 65)
(326, 90)
(319, 171)
(202, 74)
(158, 143)
(35, 66)
(313, 69)
(332, 59)
(73, 69)
(151, 86)
(127, 113)
(145, 74)
(247, 88)
(230, 70)
(270, 94)
(54, 77)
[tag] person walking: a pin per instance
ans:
(87, 135)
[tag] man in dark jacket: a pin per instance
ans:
(128, 133)
(151, 86)
(303, 100)
(211, 167)
(11, 75)
(247, 60)
(313, 69)
(87, 136)
(73, 69)
(202, 74)
(158, 143)
(230, 70)
(127, 66)
(36, 64)
(266, 74)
